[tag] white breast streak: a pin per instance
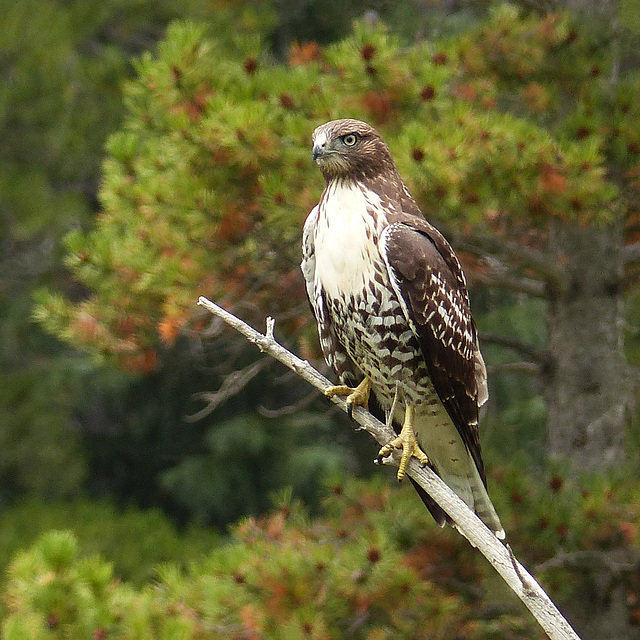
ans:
(343, 247)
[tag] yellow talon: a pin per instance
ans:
(408, 443)
(355, 397)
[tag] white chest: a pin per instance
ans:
(346, 239)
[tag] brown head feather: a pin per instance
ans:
(351, 149)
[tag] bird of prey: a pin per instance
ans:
(392, 308)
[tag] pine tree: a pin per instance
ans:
(372, 565)
(520, 136)
(512, 134)
(62, 64)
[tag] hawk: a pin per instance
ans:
(392, 308)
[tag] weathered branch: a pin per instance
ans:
(301, 404)
(508, 282)
(530, 368)
(467, 523)
(526, 257)
(524, 349)
(232, 385)
(614, 562)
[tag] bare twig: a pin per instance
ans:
(527, 257)
(523, 575)
(525, 349)
(232, 385)
(508, 282)
(530, 368)
(467, 523)
(631, 254)
(301, 404)
(615, 562)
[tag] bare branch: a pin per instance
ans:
(542, 6)
(467, 523)
(303, 403)
(232, 385)
(520, 347)
(529, 286)
(530, 368)
(522, 255)
(525, 256)
(615, 562)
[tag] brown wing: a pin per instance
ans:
(429, 280)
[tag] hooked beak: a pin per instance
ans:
(319, 150)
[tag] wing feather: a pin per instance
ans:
(432, 287)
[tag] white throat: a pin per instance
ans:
(346, 236)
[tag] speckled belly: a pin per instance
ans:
(377, 337)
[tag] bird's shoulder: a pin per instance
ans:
(412, 238)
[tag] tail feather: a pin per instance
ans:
(452, 461)
(438, 513)
(483, 506)
(468, 485)
(471, 490)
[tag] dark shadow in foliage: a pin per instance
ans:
(215, 470)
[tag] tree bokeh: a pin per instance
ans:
(208, 182)
(516, 128)
(527, 155)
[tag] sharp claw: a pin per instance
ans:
(408, 443)
(358, 396)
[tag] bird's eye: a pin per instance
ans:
(350, 139)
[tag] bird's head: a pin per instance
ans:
(350, 149)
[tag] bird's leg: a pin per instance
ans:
(391, 412)
(355, 397)
(407, 442)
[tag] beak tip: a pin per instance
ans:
(319, 151)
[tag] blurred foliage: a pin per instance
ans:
(66, 425)
(249, 456)
(135, 541)
(142, 446)
(208, 182)
(515, 419)
(374, 565)
(363, 571)
(34, 419)
(61, 64)
(204, 189)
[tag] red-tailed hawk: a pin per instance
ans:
(392, 308)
